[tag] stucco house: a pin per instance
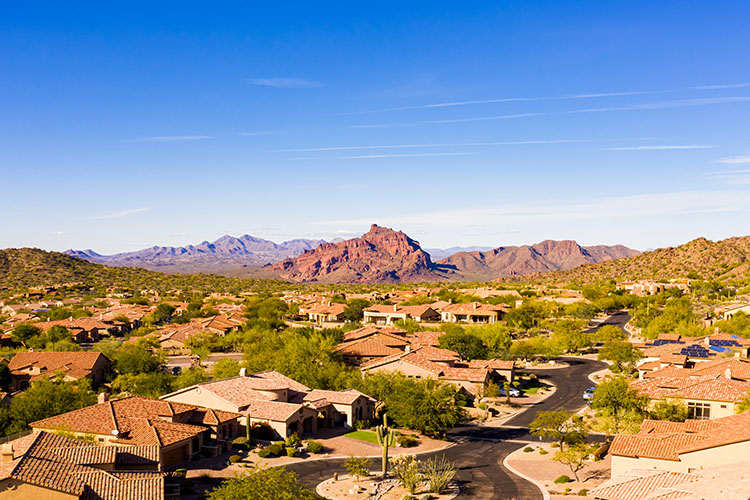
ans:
(473, 312)
(179, 431)
(27, 367)
(326, 313)
(275, 406)
(682, 446)
(388, 314)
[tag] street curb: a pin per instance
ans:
(545, 493)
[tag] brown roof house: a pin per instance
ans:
(275, 406)
(473, 312)
(326, 313)
(387, 314)
(27, 367)
(682, 446)
(49, 466)
(180, 432)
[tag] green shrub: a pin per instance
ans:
(542, 451)
(583, 492)
(240, 443)
(555, 445)
(562, 479)
(314, 446)
(528, 449)
(358, 467)
(362, 424)
(405, 441)
(482, 406)
(234, 459)
(293, 440)
(438, 473)
(566, 491)
(291, 452)
(276, 448)
(264, 453)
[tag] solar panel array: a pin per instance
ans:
(695, 351)
(725, 343)
(659, 342)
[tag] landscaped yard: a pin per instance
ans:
(366, 436)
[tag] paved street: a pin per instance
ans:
(481, 450)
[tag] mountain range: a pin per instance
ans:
(381, 255)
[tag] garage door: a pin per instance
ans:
(175, 456)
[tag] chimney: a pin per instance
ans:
(728, 374)
(243, 372)
(102, 398)
(474, 304)
(407, 348)
(716, 329)
(6, 451)
(395, 308)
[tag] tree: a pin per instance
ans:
(575, 456)
(225, 368)
(671, 409)
(560, 426)
(744, 404)
(426, 405)
(263, 484)
(467, 345)
(47, 398)
(355, 309)
(610, 333)
(25, 332)
(151, 385)
(5, 378)
(192, 376)
(135, 358)
(617, 400)
(358, 467)
(622, 354)
(108, 347)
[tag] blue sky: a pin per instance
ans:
(131, 125)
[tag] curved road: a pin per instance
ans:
(480, 450)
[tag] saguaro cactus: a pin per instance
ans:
(386, 437)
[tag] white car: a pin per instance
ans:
(514, 393)
(588, 394)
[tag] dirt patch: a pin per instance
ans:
(346, 488)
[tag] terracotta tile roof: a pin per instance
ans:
(641, 485)
(672, 358)
(667, 441)
(69, 466)
(426, 338)
(329, 309)
(138, 420)
(669, 336)
(241, 391)
(426, 361)
(346, 397)
(72, 364)
(739, 368)
(368, 330)
(278, 377)
(492, 364)
(276, 411)
(368, 347)
(475, 308)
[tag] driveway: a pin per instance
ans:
(480, 450)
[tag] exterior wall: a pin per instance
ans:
(200, 397)
(720, 455)
(383, 318)
(12, 489)
(718, 408)
(351, 411)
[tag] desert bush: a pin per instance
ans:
(234, 459)
(314, 446)
(584, 492)
(264, 453)
(406, 468)
(293, 440)
(292, 452)
(362, 424)
(542, 451)
(240, 443)
(276, 448)
(562, 479)
(407, 441)
(438, 473)
(358, 467)
(528, 449)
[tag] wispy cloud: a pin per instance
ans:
(404, 155)
(735, 160)
(257, 133)
(121, 213)
(733, 177)
(660, 148)
(172, 138)
(640, 205)
(283, 82)
(437, 145)
(55, 233)
(722, 86)
(678, 103)
(454, 120)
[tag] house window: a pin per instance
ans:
(699, 411)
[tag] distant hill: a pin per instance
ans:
(706, 259)
(383, 255)
(437, 254)
(542, 257)
(32, 267)
(225, 253)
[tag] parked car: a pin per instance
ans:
(588, 394)
(514, 393)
